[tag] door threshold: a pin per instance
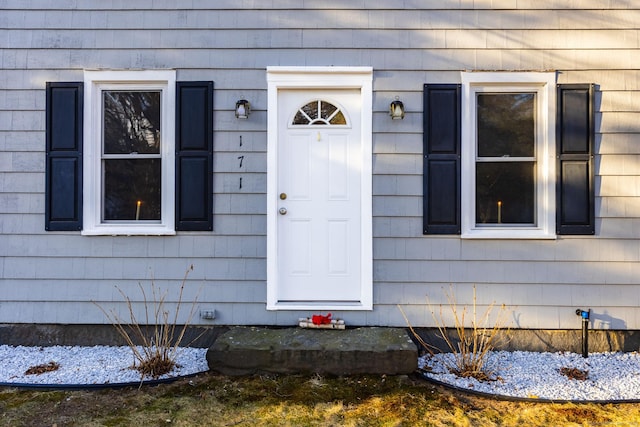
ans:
(319, 305)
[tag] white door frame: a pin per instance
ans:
(360, 78)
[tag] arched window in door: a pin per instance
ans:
(319, 112)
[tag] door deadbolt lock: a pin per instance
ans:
(283, 211)
(283, 196)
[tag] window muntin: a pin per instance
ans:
(319, 112)
(129, 146)
(508, 138)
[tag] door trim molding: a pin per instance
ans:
(282, 78)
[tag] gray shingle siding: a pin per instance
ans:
(53, 277)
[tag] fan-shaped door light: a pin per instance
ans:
(243, 109)
(396, 109)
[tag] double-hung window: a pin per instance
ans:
(508, 155)
(129, 152)
(508, 141)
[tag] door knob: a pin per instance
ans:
(283, 211)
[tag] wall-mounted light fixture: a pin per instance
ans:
(396, 109)
(243, 109)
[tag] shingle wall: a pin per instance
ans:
(53, 277)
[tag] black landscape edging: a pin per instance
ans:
(104, 386)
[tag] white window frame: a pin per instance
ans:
(544, 85)
(94, 83)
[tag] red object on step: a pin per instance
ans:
(319, 319)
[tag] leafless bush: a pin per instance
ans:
(469, 345)
(159, 335)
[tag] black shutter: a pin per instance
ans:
(441, 165)
(63, 190)
(575, 140)
(194, 156)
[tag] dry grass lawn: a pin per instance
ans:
(215, 400)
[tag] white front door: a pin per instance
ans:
(317, 236)
(319, 166)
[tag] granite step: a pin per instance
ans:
(253, 350)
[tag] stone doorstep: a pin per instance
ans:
(371, 350)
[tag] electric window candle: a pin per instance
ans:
(138, 210)
(499, 211)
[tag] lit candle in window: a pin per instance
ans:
(138, 210)
(499, 211)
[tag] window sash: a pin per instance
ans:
(124, 198)
(131, 159)
(499, 203)
(507, 197)
(493, 137)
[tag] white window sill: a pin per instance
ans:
(511, 233)
(137, 230)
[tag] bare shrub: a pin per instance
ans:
(158, 336)
(469, 345)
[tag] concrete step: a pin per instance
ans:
(251, 350)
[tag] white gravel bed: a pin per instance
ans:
(520, 374)
(87, 365)
(611, 376)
